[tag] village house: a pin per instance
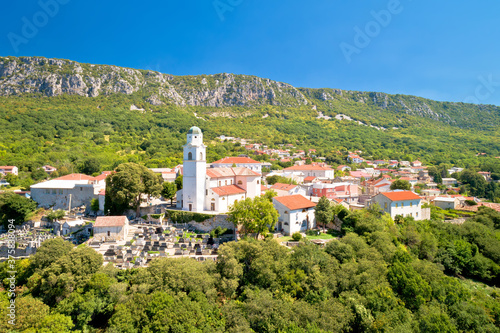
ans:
(343, 191)
(6, 169)
(403, 203)
(49, 169)
(446, 202)
(68, 192)
(111, 228)
(449, 182)
(296, 214)
(315, 169)
(288, 189)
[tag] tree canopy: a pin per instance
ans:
(256, 216)
(126, 186)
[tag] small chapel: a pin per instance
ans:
(215, 188)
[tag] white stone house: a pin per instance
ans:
(296, 214)
(69, 191)
(446, 203)
(403, 203)
(111, 228)
(6, 169)
(313, 170)
(288, 189)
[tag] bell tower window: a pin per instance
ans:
(190, 156)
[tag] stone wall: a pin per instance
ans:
(212, 223)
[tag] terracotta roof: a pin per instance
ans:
(236, 160)
(75, 176)
(294, 202)
(263, 188)
(230, 172)
(401, 195)
(7, 167)
(103, 175)
(309, 178)
(283, 187)
(228, 190)
(110, 221)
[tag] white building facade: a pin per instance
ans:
(296, 214)
(212, 189)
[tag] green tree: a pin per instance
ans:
(400, 184)
(127, 184)
(90, 166)
(12, 179)
(178, 182)
(39, 174)
(168, 191)
(280, 179)
(323, 212)
(15, 207)
(474, 183)
(94, 205)
(256, 215)
(56, 215)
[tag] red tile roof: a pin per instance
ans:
(228, 190)
(283, 187)
(75, 176)
(309, 178)
(110, 221)
(263, 188)
(103, 175)
(294, 202)
(401, 195)
(236, 160)
(7, 167)
(230, 172)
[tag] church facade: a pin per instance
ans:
(214, 189)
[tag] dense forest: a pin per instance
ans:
(380, 276)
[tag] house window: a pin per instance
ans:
(240, 182)
(225, 183)
(396, 205)
(402, 204)
(385, 205)
(201, 156)
(206, 192)
(416, 214)
(109, 233)
(54, 191)
(411, 204)
(190, 156)
(220, 183)
(60, 191)
(258, 182)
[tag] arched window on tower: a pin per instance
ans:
(190, 156)
(201, 156)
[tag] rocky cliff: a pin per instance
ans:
(54, 77)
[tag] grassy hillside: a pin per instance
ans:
(66, 129)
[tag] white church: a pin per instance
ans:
(214, 189)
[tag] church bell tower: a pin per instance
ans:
(194, 172)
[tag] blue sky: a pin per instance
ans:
(444, 50)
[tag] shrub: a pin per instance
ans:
(471, 202)
(297, 236)
(185, 217)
